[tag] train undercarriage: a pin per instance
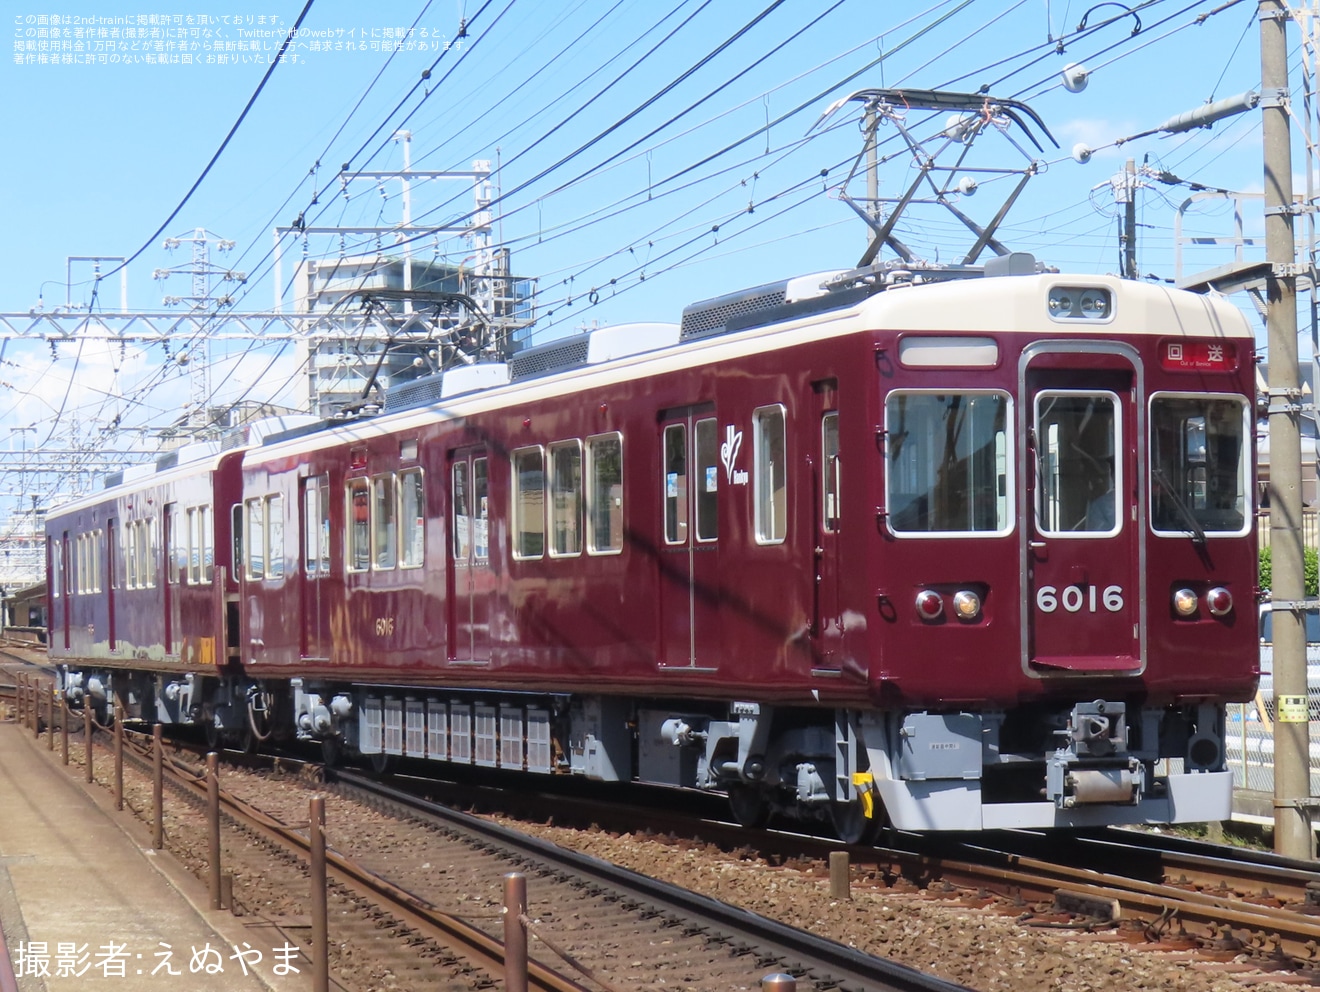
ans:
(1092, 763)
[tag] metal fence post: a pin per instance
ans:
(64, 729)
(320, 912)
(515, 934)
(213, 824)
(87, 737)
(157, 788)
(119, 757)
(50, 719)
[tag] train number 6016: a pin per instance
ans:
(1074, 598)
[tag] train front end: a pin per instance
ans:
(1065, 564)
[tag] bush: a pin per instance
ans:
(1310, 570)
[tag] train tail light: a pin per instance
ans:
(929, 604)
(967, 605)
(1219, 601)
(1184, 602)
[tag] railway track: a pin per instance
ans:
(620, 928)
(1147, 889)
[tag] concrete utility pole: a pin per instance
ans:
(1130, 221)
(1292, 768)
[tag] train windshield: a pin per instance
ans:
(1077, 435)
(1198, 464)
(948, 463)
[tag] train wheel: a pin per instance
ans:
(851, 824)
(748, 806)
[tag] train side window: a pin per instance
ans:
(708, 479)
(604, 494)
(275, 536)
(130, 554)
(201, 555)
(191, 540)
(77, 563)
(462, 513)
(412, 519)
(384, 523)
(676, 484)
(359, 525)
(770, 458)
(56, 569)
(528, 503)
(151, 551)
(948, 463)
(237, 543)
(255, 566)
(176, 545)
(829, 451)
(480, 510)
(566, 498)
(311, 510)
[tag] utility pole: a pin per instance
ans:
(1292, 767)
(1130, 221)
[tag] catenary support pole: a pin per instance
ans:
(1292, 836)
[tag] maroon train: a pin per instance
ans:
(948, 550)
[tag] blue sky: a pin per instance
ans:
(655, 200)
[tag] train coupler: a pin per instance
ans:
(1070, 783)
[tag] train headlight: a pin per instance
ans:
(1184, 602)
(1061, 302)
(1080, 303)
(967, 605)
(930, 604)
(1219, 601)
(1095, 304)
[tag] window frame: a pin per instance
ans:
(519, 517)
(1244, 456)
(831, 491)
(389, 541)
(1009, 460)
(1119, 444)
(357, 531)
(762, 506)
(591, 491)
(571, 445)
(412, 537)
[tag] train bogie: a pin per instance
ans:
(956, 555)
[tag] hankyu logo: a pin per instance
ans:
(729, 456)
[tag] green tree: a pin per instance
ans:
(1310, 570)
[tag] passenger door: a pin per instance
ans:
(315, 530)
(688, 556)
(471, 581)
(1083, 612)
(827, 619)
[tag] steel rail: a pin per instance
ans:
(824, 961)
(471, 943)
